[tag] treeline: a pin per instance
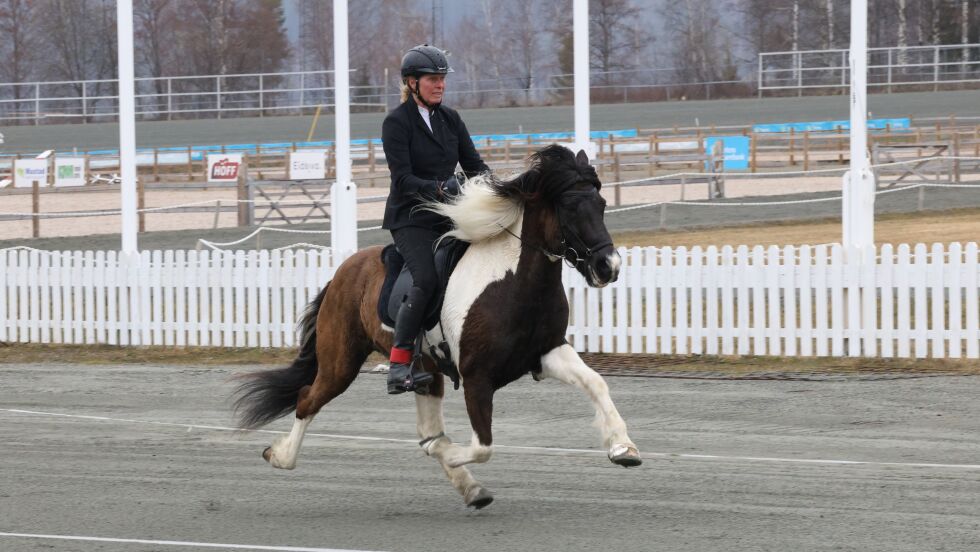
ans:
(503, 50)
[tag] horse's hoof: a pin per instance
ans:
(481, 499)
(267, 454)
(625, 455)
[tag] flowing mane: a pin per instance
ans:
(486, 205)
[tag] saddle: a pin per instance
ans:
(397, 283)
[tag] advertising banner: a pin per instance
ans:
(307, 165)
(736, 150)
(224, 167)
(69, 171)
(28, 171)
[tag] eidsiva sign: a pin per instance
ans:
(69, 171)
(307, 165)
(29, 171)
(224, 167)
(736, 150)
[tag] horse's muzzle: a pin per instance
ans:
(604, 266)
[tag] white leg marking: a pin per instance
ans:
(430, 423)
(456, 455)
(564, 364)
(284, 451)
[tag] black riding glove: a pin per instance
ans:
(449, 188)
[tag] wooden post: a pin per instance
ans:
(190, 167)
(618, 178)
(792, 147)
(141, 204)
(156, 164)
(650, 153)
(753, 166)
(840, 145)
(806, 150)
(242, 195)
(663, 216)
(656, 150)
(507, 151)
(976, 141)
(36, 209)
(956, 153)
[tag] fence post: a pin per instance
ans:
(156, 165)
(806, 150)
(190, 167)
(752, 149)
(242, 195)
(618, 178)
(792, 147)
(956, 154)
(36, 209)
(663, 216)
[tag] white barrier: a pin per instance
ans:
(791, 301)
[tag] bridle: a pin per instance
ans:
(569, 252)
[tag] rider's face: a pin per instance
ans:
(431, 88)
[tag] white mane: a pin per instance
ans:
(478, 212)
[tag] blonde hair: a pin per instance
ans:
(404, 90)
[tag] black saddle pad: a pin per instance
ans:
(398, 280)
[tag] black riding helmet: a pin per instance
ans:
(425, 60)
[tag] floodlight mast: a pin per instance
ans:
(127, 126)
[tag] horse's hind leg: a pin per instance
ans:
(333, 378)
(432, 431)
(564, 364)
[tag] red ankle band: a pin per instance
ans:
(401, 356)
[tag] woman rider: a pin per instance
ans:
(423, 142)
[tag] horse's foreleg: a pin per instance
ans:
(283, 452)
(432, 431)
(479, 406)
(564, 364)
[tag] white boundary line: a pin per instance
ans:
(178, 543)
(517, 447)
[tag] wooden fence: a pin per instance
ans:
(794, 301)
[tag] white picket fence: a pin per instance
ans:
(791, 301)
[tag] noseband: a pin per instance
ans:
(569, 252)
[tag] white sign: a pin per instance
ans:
(69, 171)
(29, 171)
(307, 165)
(224, 167)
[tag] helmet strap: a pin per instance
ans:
(418, 94)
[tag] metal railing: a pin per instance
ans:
(170, 97)
(936, 66)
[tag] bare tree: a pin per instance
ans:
(18, 24)
(154, 24)
(612, 37)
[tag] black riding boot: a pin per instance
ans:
(402, 374)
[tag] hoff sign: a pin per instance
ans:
(224, 167)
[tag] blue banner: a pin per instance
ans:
(736, 150)
(873, 124)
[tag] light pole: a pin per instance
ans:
(343, 192)
(127, 126)
(859, 182)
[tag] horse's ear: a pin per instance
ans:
(581, 158)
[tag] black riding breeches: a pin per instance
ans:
(416, 246)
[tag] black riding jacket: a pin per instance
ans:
(419, 159)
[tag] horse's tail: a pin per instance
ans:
(271, 394)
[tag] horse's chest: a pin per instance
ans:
(495, 312)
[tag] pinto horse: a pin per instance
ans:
(504, 315)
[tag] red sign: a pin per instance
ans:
(225, 169)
